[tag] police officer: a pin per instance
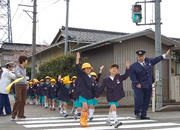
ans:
(141, 75)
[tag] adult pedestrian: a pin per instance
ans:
(5, 80)
(141, 75)
(20, 89)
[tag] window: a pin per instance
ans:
(178, 68)
(7, 57)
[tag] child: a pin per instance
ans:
(64, 93)
(52, 94)
(31, 92)
(85, 88)
(95, 101)
(47, 83)
(36, 90)
(41, 92)
(114, 92)
(73, 85)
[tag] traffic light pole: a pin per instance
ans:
(33, 61)
(158, 52)
(66, 29)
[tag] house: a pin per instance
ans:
(10, 51)
(77, 37)
(121, 48)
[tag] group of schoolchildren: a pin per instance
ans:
(83, 90)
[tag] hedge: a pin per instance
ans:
(64, 65)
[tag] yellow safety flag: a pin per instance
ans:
(8, 88)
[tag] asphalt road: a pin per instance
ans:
(40, 118)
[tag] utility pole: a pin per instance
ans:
(66, 29)
(34, 40)
(158, 52)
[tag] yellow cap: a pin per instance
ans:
(74, 77)
(53, 80)
(47, 77)
(42, 80)
(35, 80)
(93, 74)
(87, 65)
(66, 80)
(30, 82)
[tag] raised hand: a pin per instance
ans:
(168, 52)
(101, 69)
(77, 57)
(128, 64)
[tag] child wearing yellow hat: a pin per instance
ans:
(86, 84)
(31, 92)
(64, 93)
(36, 90)
(73, 87)
(47, 83)
(41, 92)
(95, 101)
(52, 94)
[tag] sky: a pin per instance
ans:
(109, 15)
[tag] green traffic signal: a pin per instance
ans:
(137, 18)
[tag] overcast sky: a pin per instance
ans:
(110, 15)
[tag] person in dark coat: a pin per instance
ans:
(64, 93)
(31, 92)
(85, 87)
(73, 85)
(41, 92)
(95, 101)
(114, 90)
(47, 83)
(52, 94)
(141, 75)
(36, 90)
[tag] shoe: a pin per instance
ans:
(137, 116)
(53, 109)
(108, 123)
(13, 118)
(91, 118)
(65, 114)
(79, 114)
(144, 118)
(21, 117)
(75, 116)
(117, 124)
(8, 114)
(2, 114)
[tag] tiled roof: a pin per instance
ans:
(20, 46)
(86, 35)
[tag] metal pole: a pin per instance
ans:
(158, 53)
(145, 11)
(34, 40)
(66, 29)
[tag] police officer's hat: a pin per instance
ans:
(140, 52)
(9, 64)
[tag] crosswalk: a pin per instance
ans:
(57, 123)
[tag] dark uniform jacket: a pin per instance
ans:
(41, 90)
(36, 89)
(86, 84)
(31, 91)
(143, 75)
(115, 90)
(52, 91)
(64, 94)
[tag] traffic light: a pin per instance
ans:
(136, 13)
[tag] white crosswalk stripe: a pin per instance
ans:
(98, 123)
